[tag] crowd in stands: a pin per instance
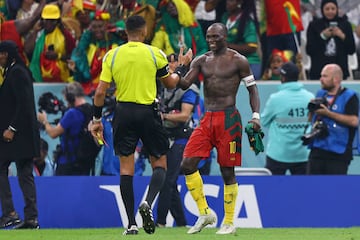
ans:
(68, 39)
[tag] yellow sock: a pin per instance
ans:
(230, 194)
(194, 184)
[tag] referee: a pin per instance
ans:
(134, 67)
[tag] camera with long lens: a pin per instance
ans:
(49, 103)
(318, 130)
(315, 104)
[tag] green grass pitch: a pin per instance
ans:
(179, 233)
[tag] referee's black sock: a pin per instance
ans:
(156, 183)
(127, 194)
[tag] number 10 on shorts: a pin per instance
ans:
(232, 147)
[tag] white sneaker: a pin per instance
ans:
(226, 229)
(202, 222)
(133, 230)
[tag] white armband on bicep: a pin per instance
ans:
(249, 80)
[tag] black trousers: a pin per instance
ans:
(169, 196)
(325, 166)
(26, 181)
(280, 168)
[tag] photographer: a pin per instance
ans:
(69, 129)
(331, 148)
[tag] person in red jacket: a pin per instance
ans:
(15, 30)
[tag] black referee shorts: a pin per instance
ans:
(137, 121)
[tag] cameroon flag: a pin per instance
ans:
(78, 4)
(282, 17)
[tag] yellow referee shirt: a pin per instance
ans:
(134, 67)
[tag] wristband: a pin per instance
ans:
(256, 115)
(97, 111)
(11, 128)
(181, 70)
(96, 120)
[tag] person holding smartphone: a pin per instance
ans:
(329, 40)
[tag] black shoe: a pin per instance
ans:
(133, 230)
(147, 217)
(9, 221)
(28, 224)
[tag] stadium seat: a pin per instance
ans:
(242, 171)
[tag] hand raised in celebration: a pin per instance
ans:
(185, 59)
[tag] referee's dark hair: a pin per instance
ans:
(135, 23)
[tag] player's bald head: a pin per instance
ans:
(218, 27)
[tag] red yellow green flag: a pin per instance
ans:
(78, 4)
(282, 17)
